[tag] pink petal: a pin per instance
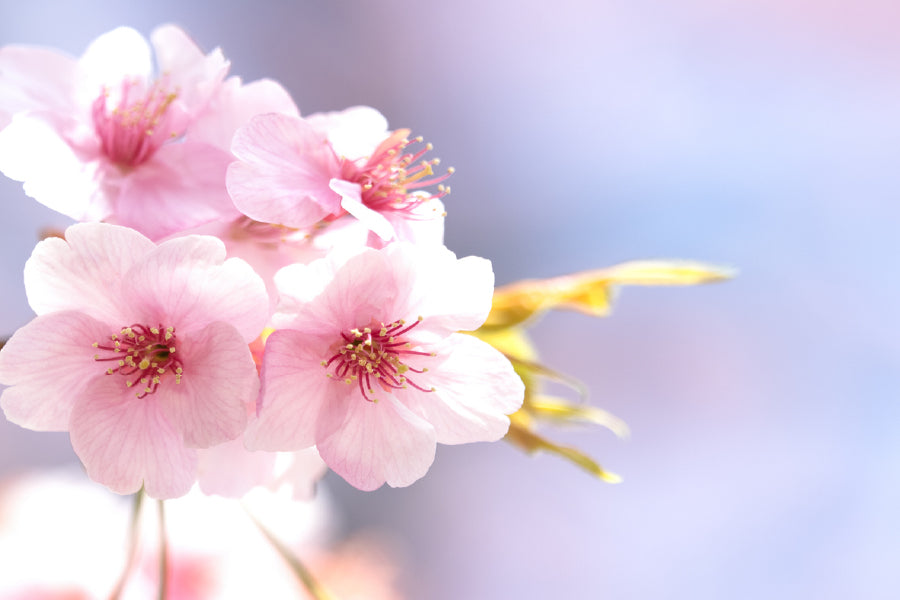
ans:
(195, 75)
(84, 271)
(126, 442)
(301, 471)
(220, 378)
(370, 443)
(47, 363)
(294, 390)
(36, 79)
(424, 225)
(182, 186)
(354, 132)
(453, 294)
(230, 470)
(475, 388)
(364, 288)
(283, 173)
(351, 202)
(233, 107)
(186, 283)
(35, 153)
(112, 57)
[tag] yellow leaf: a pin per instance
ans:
(592, 292)
(556, 409)
(531, 442)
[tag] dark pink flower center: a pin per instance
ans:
(376, 356)
(393, 179)
(138, 125)
(142, 354)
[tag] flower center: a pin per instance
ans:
(142, 354)
(138, 125)
(392, 179)
(365, 357)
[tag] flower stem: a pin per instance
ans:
(303, 574)
(133, 531)
(163, 553)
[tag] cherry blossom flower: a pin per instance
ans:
(103, 138)
(307, 172)
(367, 363)
(139, 351)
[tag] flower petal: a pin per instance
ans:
(47, 363)
(35, 153)
(84, 271)
(230, 470)
(351, 202)
(294, 390)
(164, 197)
(219, 380)
(475, 388)
(353, 133)
(196, 76)
(372, 443)
(111, 58)
(126, 442)
(186, 283)
(453, 294)
(283, 173)
(235, 105)
(35, 78)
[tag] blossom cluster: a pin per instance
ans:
(248, 294)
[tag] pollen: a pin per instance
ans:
(148, 356)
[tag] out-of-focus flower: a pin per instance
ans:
(214, 551)
(139, 351)
(592, 292)
(103, 138)
(305, 172)
(366, 363)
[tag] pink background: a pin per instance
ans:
(764, 460)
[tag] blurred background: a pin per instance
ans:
(764, 460)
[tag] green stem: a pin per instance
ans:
(303, 574)
(163, 553)
(133, 531)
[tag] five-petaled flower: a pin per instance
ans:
(368, 364)
(305, 172)
(104, 138)
(139, 351)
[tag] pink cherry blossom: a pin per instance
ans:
(368, 364)
(139, 351)
(303, 172)
(103, 138)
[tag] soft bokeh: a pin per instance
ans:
(764, 457)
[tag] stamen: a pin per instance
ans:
(393, 180)
(375, 353)
(148, 356)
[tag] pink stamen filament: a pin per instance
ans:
(366, 355)
(131, 132)
(390, 178)
(146, 352)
